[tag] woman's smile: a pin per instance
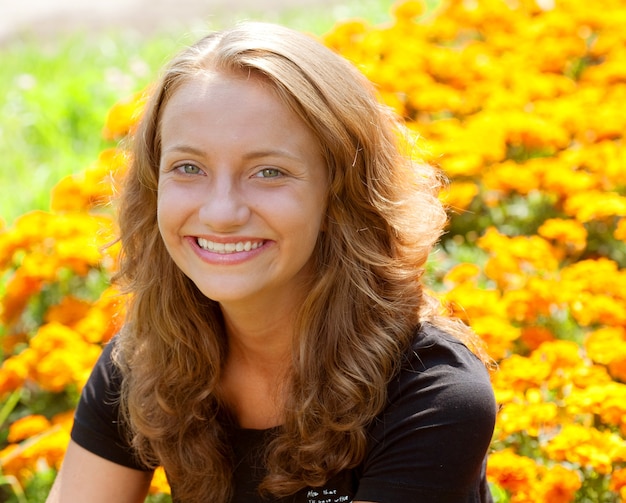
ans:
(230, 247)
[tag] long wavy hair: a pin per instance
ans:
(361, 312)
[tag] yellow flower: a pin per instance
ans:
(27, 427)
(538, 298)
(520, 374)
(510, 176)
(159, 483)
(123, 117)
(407, 10)
(459, 195)
(606, 401)
(595, 205)
(569, 236)
(514, 259)
(529, 418)
(104, 318)
(606, 344)
(63, 357)
(586, 447)
(462, 273)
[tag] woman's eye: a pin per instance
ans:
(189, 169)
(269, 173)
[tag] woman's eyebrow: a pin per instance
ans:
(186, 149)
(272, 153)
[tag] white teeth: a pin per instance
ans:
(225, 248)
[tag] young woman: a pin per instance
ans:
(279, 344)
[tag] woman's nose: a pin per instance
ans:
(225, 207)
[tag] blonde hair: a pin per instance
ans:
(360, 316)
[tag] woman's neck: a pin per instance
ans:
(257, 369)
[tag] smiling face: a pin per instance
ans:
(242, 191)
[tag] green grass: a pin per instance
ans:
(54, 94)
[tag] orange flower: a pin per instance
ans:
(534, 336)
(515, 473)
(559, 485)
(27, 427)
(69, 312)
(91, 188)
(620, 230)
(15, 370)
(618, 480)
(124, 116)
(63, 357)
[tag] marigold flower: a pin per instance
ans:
(534, 336)
(159, 483)
(618, 480)
(346, 34)
(606, 344)
(595, 205)
(123, 117)
(462, 273)
(559, 485)
(530, 418)
(27, 427)
(64, 357)
(605, 400)
(511, 471)
(510, 176)
(559, 354)
(513, 259)
(459, 195)
(69, 312)
(620, 230)
(538, 298)
(19, 289)
(92, 187)
(586, 446)
(497, 333)
(569, 235)
(520, 374)
(15, 370)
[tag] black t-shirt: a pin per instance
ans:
(427, 446)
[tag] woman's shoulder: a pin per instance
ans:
(432, 346)
(441, 381)
(430, 441)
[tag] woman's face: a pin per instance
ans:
(242, 191)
